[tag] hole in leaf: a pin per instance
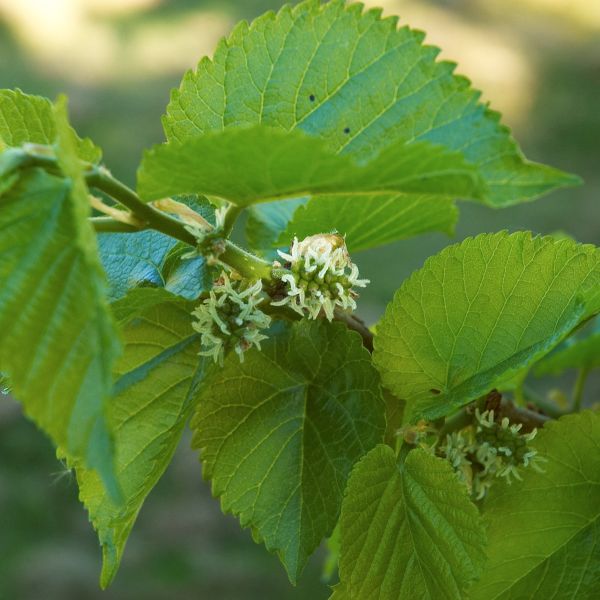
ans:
(435, 392)
(312, 97)
(346, 130)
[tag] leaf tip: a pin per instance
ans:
(110, 564)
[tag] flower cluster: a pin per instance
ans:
(489, 450)
(230, 319)
(322, 276)
(457, 449)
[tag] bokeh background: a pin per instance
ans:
(537, 61)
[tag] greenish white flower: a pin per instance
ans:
(501, 447)
(230, 318)
(480, 484)
(321, 278)
(456, 450)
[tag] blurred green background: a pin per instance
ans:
(537, 61)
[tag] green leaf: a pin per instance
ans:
(155, 386)
(156, 380)
(184, 276)
(150, 259)
(139, 300)
(479, 313)
(58, 341)
(544, 531)
(408, 530)
(370, 221)
(358, 82)
(575, 353)
(30, 119)
(257, 164)
(279, 433)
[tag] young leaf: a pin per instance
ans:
(544, 531)
(278, 434)
(479, 313)
(155, 385)
(30, 119)
(257, 164)
(371, 221)
(408, 530)
(57, 337)
(358, 82)
(149, 258)
(578, 353)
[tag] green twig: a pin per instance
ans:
(244, 263)
(101, 179)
